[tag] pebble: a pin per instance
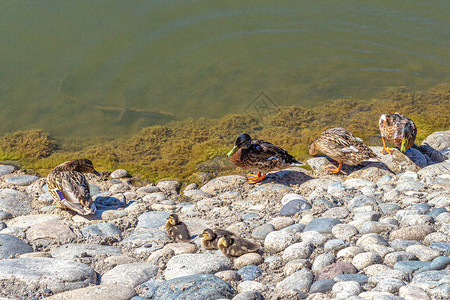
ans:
(117, 292)
(191, 264)
(322, 261)
(248, 259)
(336, 213)
(291, 196)
(228, 275)
(152, 219)
(11, 246)
(394, 257)
(5, 215)
(129, 275)
(14, 202)
(72, 251)
(148, 189)
(424, 253)
(141, 237)
(300, 280)
(344, 231)
(300, 250)
(50, 232)
(181, 248)
(321, 286)
(349, 252)
(200, 286)
(277, 241)
(363, 260)
(322, 225)
(441, 247)
(294, 206)
(346, 289)
(410, 292)
(119, 173)
(359, 278)
(262, 231)
(251, 286)
(336, 269)
(416, 232)
(22, 180)
(6, 169)
(314, 237)
(410, 266)
(282, 222)
(250, 295)
(335, 245)
(250, 272)
(55, 274)
(295, 265)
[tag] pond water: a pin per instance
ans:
(108, 68)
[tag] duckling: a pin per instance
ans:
(176, 229)
(68, 186)
(399, 130)
(342, 146)
(210, 237)
(260, 156)
(236, 246)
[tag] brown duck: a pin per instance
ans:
(260, 156)
(68, 185)
(399, 130)
(176, 229)
(233, 246)
(342, 146)
(210, 237)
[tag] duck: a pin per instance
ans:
(399, 130)
(69, 187)
(176, 229)
(342, 146)
(260, 157)
(233, 246)
(210, 237)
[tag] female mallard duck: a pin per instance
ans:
(399, 130)
(342, 146)
(176, 229)
(236, 246)
(260, 156)
(67, 184)
(210, 237)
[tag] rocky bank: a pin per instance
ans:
(379, 231)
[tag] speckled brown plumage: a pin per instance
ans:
(176, 229)
(210, 237)
(393, 128)
(236, 246)
(342, 146)
(68, 178)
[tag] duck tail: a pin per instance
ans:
(297, 164)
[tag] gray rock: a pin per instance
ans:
(422, 252)
(196, 195)
(386, 274)
(293, 207)
(444, 248)
(322, 261)
(170, 186)
(435, 170)
(248, 259)
(11, 245)
(116, 292)
(415, 232)
(54, 274)
(314, 237)
(390, 285)
(72, 251)
(6, 169)
(363, 200)
(436, 212)
(129, 274)
(401, 244)
(363, 260)
(291, 196)
(335, 245)
(344, 231)
(336, 213)
(336, 269)
(119, 173)
(101, 229)
(394, 257)
(262, 231)
(50, 232)
(358, 183)
(410, 292)
(152, 219)
(439, 140)
(249, 295)
(300, 250)
(300, 280)
(14, 202)
(22, 180)
(148, 189)
(2, 225)
(389, 208)
(251, 286)
(438, 263)
(146, 236)
(321, 286)
(223, 184)
(201, 287)
(322, 225)
(191, 264)
(410, 266)
(5, 215)
(277, 241)
(359, 278)
(376, 227)
(346, 289)
(250, 272)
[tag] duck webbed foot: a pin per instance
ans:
(335, 169)
(385, 148)
(252, 178)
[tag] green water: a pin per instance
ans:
(108, 68)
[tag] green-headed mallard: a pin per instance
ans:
(399, 130)
(67, 184)
(260, 156)
(210, 237)
(342, 146)
(236, 246)
(176, 229)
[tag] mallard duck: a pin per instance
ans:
(260, 156)
(210, 237)
(67, 185)
(176, 229)
(236, 246)
(342, 146)
(399, 130)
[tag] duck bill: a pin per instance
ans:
(404, 144)
(96, 173)
(233, 151)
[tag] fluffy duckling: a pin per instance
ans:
(260, 156)
(399, 130)
(68, 185)
(236, 246)
(342, 146)
(210, 237)
(176, 229)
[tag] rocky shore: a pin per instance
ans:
(380, 231)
